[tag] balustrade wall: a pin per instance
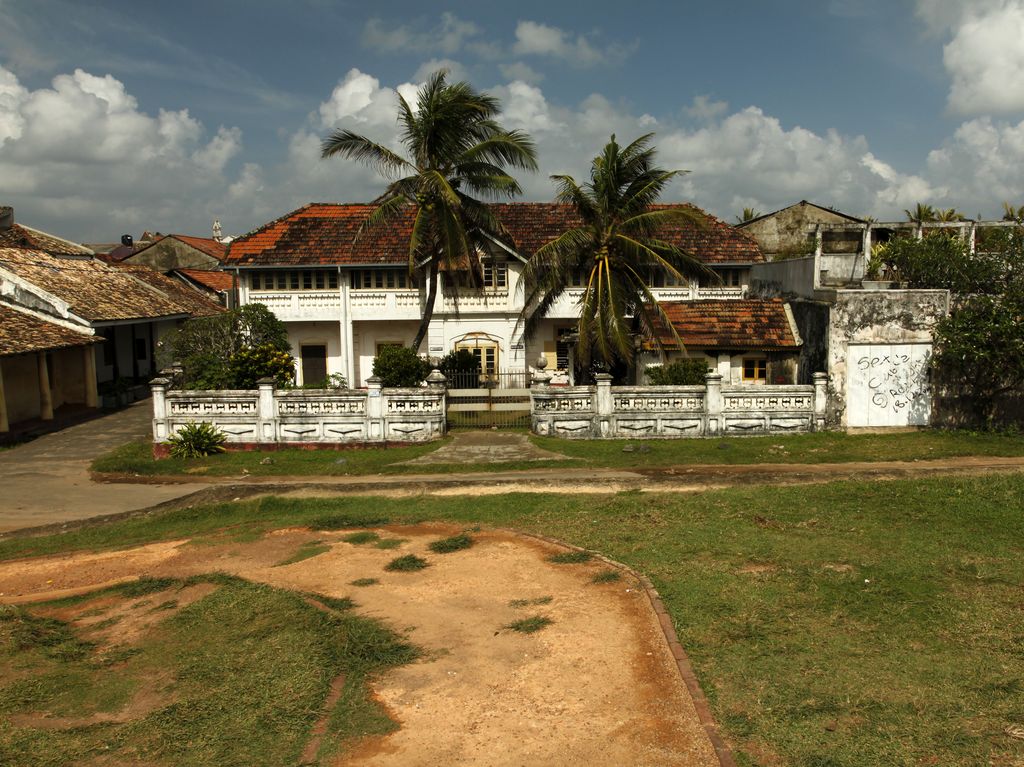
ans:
(299, 416)
(607, 412)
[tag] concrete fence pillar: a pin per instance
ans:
(820, 400)
(713, 402)
(374, 408)
(604, 404)
(158, 386)
(266, 410)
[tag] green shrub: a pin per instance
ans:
(686, 372)
(461, 368)
(400, 366)
(196, 440)
(448, 545)
(249, 365)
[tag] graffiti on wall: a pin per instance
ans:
(889, 385)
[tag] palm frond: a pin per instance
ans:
(355, 147)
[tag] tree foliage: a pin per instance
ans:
(938, 261)
(615, 250)
(979, 347)
(455, 151)
(461, 368)
(231, 350)
(400, 366)
(684, 372)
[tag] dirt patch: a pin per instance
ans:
(598, 686)
(757, 568)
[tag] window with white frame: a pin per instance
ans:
(294, 279)
(495, 275)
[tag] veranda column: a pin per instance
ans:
(92, 397)
(5, 424)
(45, 396)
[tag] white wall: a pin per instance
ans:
(326, 333)
(366, 336)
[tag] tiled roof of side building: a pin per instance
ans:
(21, 236)
(206, 245)
(326, 233)
(94, 290)
(191, 301)
(753, 324)
(23, 333)
(210, 279)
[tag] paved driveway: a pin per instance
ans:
(46, 481)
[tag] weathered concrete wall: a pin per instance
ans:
(875, 318)
(170, 254)
(811, 318)
(792, 277)
(21, 383)
(786, 232)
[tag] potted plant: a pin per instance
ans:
(876, 270)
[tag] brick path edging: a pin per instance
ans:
(700, 701)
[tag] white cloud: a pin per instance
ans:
(358, 101)
(456, 71)
(703, 108)
(82, 153)
(449, 36)
(536, 39)
(985, 59)
(517, 70)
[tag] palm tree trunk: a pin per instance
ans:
(428, 307)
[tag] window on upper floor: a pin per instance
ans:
(732, 277)
(294, 279)
(660, 279)
(380, 279)
(495, 275)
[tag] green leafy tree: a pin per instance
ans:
(921, 214)
(941, 262)
(461, 368)
(248, 365)
(616, 249)
(400, 366)
(207, 346)
(684, 372)
(1011, 213)
(456, 151)
(748, 214)
(979, 347)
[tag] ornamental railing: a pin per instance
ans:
(270, 415)
(607, 412)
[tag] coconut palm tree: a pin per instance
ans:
(921, 214)
(615, 248)
(455, 152)
(1011, 213)
(748, 214)
(949, 214)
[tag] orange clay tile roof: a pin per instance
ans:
(21, 236)
(190, 300)
(101, 292)
(22, 333)
(217, 281)
(752, 324)
(325, 233)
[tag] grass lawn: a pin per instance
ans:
(238, 677)
(824, 447)
(854, 623)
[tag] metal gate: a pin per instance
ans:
(499, 400)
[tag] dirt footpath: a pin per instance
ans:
(598, 686)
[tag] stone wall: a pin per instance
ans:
(271, 416)
(665, 412)
(872, 319)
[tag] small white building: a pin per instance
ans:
(345, 295)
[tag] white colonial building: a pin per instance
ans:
(345, 295)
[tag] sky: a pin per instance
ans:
(122, 116)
